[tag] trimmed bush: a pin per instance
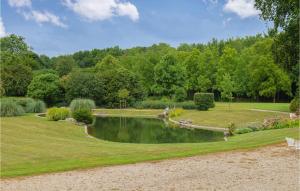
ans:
(294, 105)
(83, 115)
(10, 108)
(204, 101)
(37, 106)
(180, 94)
(231, 128)
(243, 130)
(77, 104)
(55, 113)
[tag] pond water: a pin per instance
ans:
(147, 130)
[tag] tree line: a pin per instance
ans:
(240, 67)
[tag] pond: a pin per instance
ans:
(148, 130)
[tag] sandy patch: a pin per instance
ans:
(268, 168)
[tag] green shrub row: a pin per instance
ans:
(204, 101)
(160, 104)
(55, 113)
(277, 124)
(14, 106)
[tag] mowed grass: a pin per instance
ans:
(32, 145)
(238, 113)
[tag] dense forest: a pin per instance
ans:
(253, 68)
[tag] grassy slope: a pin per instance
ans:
(239, 113)
(31, 145)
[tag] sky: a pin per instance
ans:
(55, 27)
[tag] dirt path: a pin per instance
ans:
(268, 168)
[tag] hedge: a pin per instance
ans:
(204, 101)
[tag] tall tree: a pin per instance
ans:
(168, 75)
(227, 88)
(285, 15)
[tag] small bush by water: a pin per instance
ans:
(55, 113)
(83, 115)
(294, 105)
(10, 108)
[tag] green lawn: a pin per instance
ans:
(239, 113)
(220, 116)
(32, 145)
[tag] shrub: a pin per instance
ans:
(204, 101)
(294, 105)
(10, 108)
(180, 94)
(55, 113)
(231, 128)
(175, 112)
(36, 106)
(243, 130)
(77, 104)
(83, 115)
(255, 126)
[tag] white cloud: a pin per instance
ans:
(44, 17)
(2, 29)
(243, 8)
(19, 3)
(98, 10)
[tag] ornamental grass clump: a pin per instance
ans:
(77, 104)
(37, 106)
(81, 110)
(10, 108)
(55, 113)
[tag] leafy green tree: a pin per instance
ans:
(168, 75)
(265, 78)
(63, 64)
(45, 87)
(227, 88)
(285, 16)
(14, 44)
(227, 64)
(81, 84)
(123, 95)
(45, 61)
(115, 77)
(15, 78)
(192, 70)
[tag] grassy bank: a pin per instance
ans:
(238, 113)
(32, 145)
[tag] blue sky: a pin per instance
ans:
(54, 27)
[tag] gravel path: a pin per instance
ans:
(269, 168)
